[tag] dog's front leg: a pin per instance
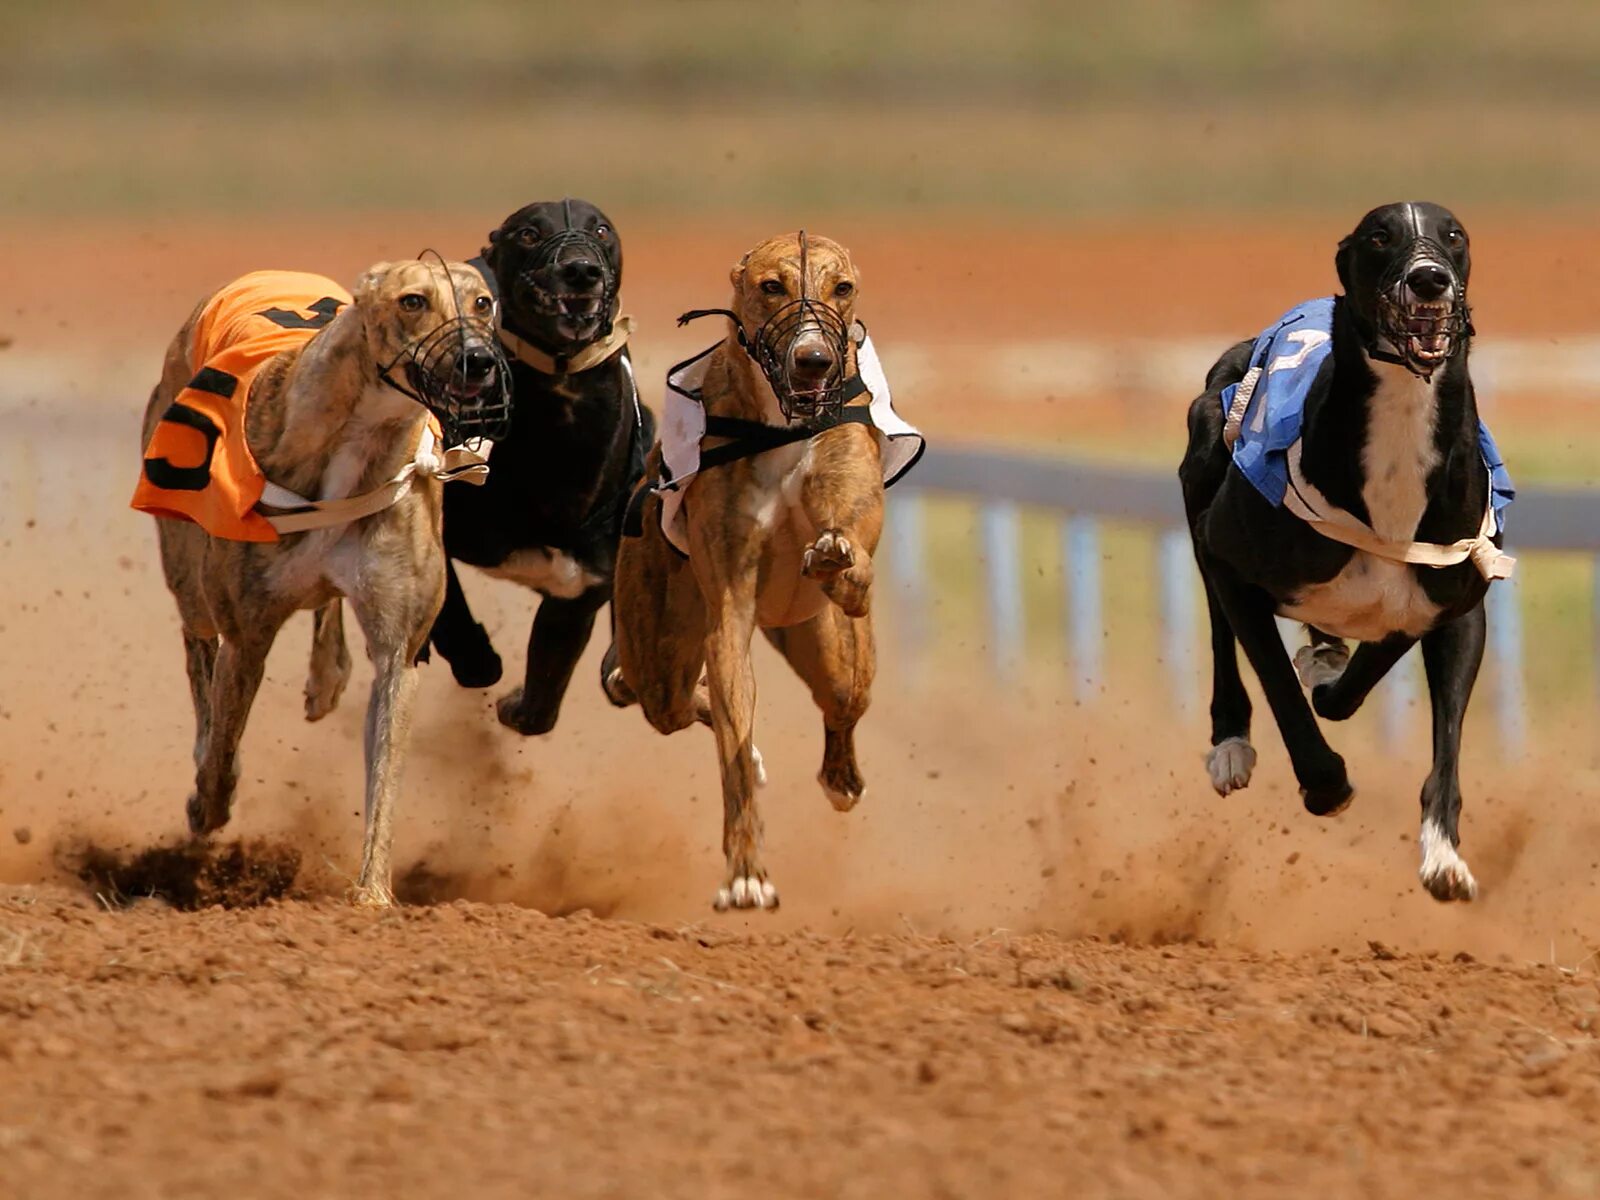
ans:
(461, 639)
(561, 630)
(728, 581)
(387, 728)
(1451, 655)
(1324, 783)
(842, 494)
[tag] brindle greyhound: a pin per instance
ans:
(781, 539)
(330, 420)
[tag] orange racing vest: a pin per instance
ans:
(197, 465)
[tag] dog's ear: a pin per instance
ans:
(736, 275)
(490, 252)
(367, 286)
(1341, 261)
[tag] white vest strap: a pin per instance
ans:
(1306, 502)
(467, 461)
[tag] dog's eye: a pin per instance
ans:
(1379, 238)
(413, 302)
(527, 236)
(483, 304)
(843, 288)
(772, 287)
(1455, 237)
(603, 232)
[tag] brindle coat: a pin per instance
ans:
(782, 541)
(321, 423)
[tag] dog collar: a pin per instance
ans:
(586, 359)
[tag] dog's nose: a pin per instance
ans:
(813, 361)
(1428, 281)
(475, 362)
(581, 272)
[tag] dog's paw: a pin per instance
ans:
(372, 895)
(322, 694)
(1444, 872)
(514, 714)
(1321, 664)
(746, 891)
(826, 557)
(1327, 799)
(844, 798)
(1230, 764)
(471, 656)
(479, 671)
(204, 818)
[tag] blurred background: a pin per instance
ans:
(1062, 212)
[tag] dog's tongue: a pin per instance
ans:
(1431, 345)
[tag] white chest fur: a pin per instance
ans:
(1372, 597)
(549, 571)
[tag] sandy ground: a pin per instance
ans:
(1042, 954)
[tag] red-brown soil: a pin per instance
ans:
(311, 1050)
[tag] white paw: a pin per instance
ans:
(1230, 764)
(1321, 663)
(760, 765)
(1444, 873)
(841, 801)
(746, 891)
(828, 555)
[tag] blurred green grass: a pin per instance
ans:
(1074, 108)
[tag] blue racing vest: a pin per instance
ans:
(1288, 355)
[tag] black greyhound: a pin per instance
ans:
(1389, 456)
(551, 511)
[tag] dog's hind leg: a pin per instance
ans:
(461, 639)
(235, 678)
(834, 655)
(658, 622)
(1232, 759)
(1451, 655)
(1324, 783)
(330, 661)
(1321, 660)
(1339, 700)
(561, 631)
(200, 658)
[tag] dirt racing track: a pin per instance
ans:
(1041, 958)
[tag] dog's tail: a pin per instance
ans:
(1230, 368)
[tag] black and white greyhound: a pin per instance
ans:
(1337, 474)
(553, 514)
